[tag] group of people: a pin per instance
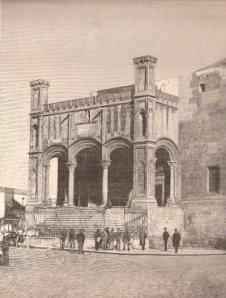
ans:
(110, 239)
(72, 236)
(175, 239)
(107, 239)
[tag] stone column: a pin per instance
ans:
(71, 178)
(46, 181)
(172, 181)
(105, 164)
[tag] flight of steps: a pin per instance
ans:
(73, 217)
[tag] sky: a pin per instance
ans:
(84, 46)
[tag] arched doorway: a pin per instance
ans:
(162, 176)
(120, 176)
(55, 176)
(58, 180)
(88, 178)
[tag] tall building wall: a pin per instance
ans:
(202, 143)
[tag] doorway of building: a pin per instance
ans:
(88, 178)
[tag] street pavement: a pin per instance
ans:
(54, 273)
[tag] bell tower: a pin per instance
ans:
(39, 97)
(144, 111)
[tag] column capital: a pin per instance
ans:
(46, 166)
(71, 165)
(105, 163)
(171, 163)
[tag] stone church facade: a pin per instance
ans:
(117, 149)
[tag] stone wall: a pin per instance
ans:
(201, 136)
(205, 217)
(202, 144)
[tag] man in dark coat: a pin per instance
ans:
(5, 251)
(118, 237)
(97, 239)
(126, 239)
(165, 237)
(142, 238)
(71, 239)
(81, 239)
(63, 236)
(176, 240)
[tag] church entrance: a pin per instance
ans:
(162, 178)
(120, 179)
(57, 180)
(88, 177)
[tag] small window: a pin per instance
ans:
(214, 179)
(202, 88)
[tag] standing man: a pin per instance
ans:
(112, 239)
(118, 237)
(165, 237)
(176, 240)
(142, 237)
(97, 238)
(71, 239)
(81, 239)
(5, 251)
(126, 239)
(63, 236)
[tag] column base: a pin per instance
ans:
(171, 202)
(144, 202)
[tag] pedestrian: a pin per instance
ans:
(118, 237)
(142, 238)
(5, 251)
(176, 240)
(108, 238)
(71, 239)
(63, 236)
(97, 239)
(112, 239)
(104, 238)
(126, 239)
(81, 239)
(165, 237)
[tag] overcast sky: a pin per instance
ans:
(83, 46)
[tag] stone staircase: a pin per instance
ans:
(51, 221)
(73, 217)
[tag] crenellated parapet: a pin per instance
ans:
(102, 99)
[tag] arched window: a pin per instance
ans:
(143, 122)
(34, 136)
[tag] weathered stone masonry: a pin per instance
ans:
(202, 144)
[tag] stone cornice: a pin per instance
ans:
(39, 82)
(145, 59)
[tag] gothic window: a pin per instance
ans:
(141, 123)
(141, 78)
(35, 99)
(213, 175)
(141, 178)
(143, 116)
(34, 136)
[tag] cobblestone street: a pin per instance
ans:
(49, 273)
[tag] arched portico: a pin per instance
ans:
(55, 174)
(117, 152)
(78, 168)
(167, 172)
